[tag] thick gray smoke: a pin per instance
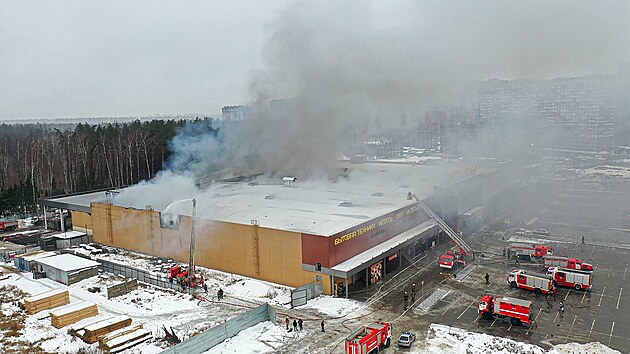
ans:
(350, 70)
(355, 69)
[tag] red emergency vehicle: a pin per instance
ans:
(8, 225)
(449, 259)
(530, 249)
(536, 282)
(180, 273)
(565, 262)
(370, 339)
(517, 310)
(571, 278)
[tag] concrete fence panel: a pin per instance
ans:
(215, 335)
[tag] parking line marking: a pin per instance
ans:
(591, 331)
(555, 318)
(538, 314)
(600, 299)
(493, 322)
(624, 273)
(477, 319)
(466, 309)
(583, 296)
(611, 332)
(570, 328)
(509, 328)
(610, 271)
(619, 299)
(567, 295)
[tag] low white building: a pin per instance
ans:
(66, 268)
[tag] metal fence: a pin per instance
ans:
(143, 276)
(215, 335)
(301, 295)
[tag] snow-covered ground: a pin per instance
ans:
(264, 337)
(450, 340)
(610, 171)
(411, 159)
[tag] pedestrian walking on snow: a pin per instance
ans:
(300, 324)
(323, 330)
(286, 322)
(205, 287)
(294, 325)
(487, 278)
(220, 294)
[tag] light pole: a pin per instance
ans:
(191, 252)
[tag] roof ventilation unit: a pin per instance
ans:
(345, 204)
(288, 181)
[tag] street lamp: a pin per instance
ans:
(191, 252)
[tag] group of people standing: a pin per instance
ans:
(298, 324)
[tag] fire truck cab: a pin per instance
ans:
(536, 282)
(449, 259)
(571, 278)
(565, 262)
(517, 310)
(369, 339)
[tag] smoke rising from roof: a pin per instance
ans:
(355, 69)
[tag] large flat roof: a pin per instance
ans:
(314, 206)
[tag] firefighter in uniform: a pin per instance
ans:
(561, 308)
(487, 278)
(220, 294)
(413, 292)
(406, 300)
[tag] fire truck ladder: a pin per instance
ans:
(444, 226)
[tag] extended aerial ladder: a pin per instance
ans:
(463, 246)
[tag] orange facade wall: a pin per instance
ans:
(82, 221)
(275, 257)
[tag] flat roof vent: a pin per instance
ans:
(288, 180)
(270, 196)
(377, 194)
(345, 204)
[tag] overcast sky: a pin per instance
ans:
(103, 58)
(120, 58)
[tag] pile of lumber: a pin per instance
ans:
(47, 300)
(95, 331)
(73, 313)
(124, 338)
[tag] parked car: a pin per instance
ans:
(406, 339)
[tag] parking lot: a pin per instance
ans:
(601, 314)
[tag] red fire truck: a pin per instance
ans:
(180, 273)
(449, 259)
(370, 339)
(530, 249)
(517, 310)
(571, 278)
(536, 282)
(565, 262)
(8, 225)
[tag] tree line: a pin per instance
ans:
(39, 160)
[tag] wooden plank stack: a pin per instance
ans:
(47, 300)
(92, 333)
(73, 313)
(124, 338)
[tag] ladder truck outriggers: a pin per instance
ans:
(571, 278)
(536, 282)
(566, 262)
(517, 310)
(450, 258)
